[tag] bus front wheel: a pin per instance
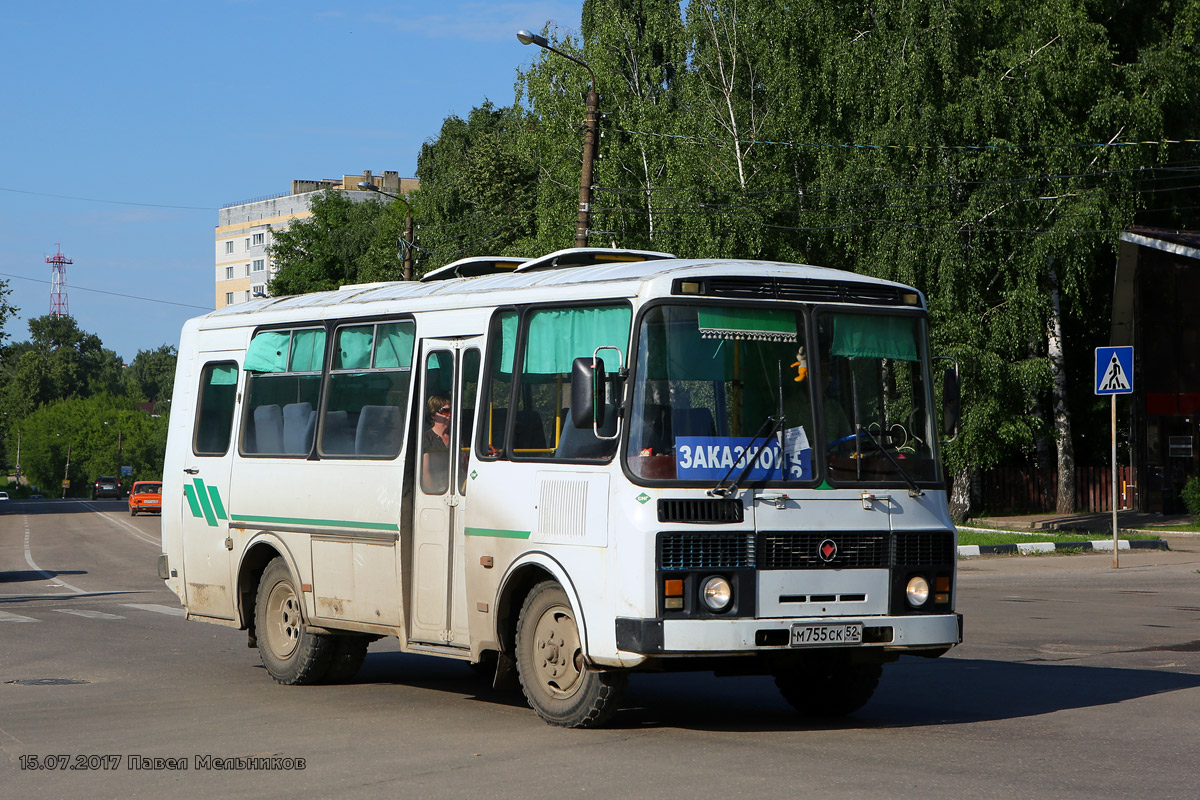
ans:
(291, 654)
(550, 664)
(828, 686)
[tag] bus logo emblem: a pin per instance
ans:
(827, 550)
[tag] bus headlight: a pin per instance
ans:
(716, 593)
(917, 591)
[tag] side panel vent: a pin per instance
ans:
(683, 551)
(715, 511)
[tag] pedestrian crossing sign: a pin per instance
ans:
(1114, 370)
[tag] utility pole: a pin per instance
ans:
(583, 216)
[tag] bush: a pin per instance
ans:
(1190, 495)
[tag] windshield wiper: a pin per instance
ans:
(769, 427)
(913, 489)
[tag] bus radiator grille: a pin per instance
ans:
(802, 550)
(715, 511)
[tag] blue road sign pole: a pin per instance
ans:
(1114, 376)
(1116, 557)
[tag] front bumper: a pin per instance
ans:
(705, 637)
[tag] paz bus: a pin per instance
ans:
(569, 469)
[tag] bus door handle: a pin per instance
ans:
(191, 470)
(451, 500)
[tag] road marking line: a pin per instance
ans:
(36, 568)
(132, 530)
(89, 614)
(7, 617)
(173, 611)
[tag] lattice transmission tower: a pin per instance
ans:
(58, 283)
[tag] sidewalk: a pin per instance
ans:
(1139, 521)
(1099, 525)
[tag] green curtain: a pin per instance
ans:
(874, 336)
(354, 347)
(268, 352)
(558, 336)
(308, 351)
(508, 341)
(223, 375)
(752, 324)
(394, 345)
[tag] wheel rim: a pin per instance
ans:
(558, 655)
(283, 620)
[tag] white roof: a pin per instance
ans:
(615, 280)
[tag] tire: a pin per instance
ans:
(550, 664)
(829, 686)
(133, 512)
(291, 654)
(346, 658)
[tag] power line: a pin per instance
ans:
(101, 200)
(114, 294)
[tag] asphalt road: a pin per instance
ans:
(1076, 681)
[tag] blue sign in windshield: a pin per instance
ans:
(711, 458)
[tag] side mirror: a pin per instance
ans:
(951, 401)
(587, 385)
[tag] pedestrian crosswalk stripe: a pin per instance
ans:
(89, 614)
(174, 611)
(7, 617)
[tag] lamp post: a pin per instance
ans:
(583, 217)
(406, 242)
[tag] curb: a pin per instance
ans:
(1050, 547)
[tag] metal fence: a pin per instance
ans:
(1022, 490)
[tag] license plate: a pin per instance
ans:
(809, 635)
(151, 502)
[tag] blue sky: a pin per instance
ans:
(126, 125)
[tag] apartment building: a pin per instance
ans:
(244, 230)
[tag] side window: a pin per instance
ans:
(214, 410)
(469, 390)
(283, 388)
(493, 418)
(368, 390)
(436, 431)
(555, 337)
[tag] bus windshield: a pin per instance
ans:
(849, 408)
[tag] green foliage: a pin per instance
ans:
(478, 189)
(343, 242)
(63, 388)
(101, 432)
(150, 377)
(1190, 494)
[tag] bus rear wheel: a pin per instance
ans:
(550, 664)
(291, 654)
(828, 686)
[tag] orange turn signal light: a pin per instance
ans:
(673, 588)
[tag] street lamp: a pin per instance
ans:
(406, 242)
(583, 217)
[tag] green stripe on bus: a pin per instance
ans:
(328, 523)
(190, 494)
(202, 496)
(496, 533)
(218, 506)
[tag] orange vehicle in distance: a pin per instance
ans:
(145, 497)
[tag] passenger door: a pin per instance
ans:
(449, 387)
(205, 523)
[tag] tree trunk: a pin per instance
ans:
(960, 493)
(1065, 501)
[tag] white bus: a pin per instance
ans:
(574, 468)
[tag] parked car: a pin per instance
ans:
(36, 497)
(145, 497)
(3, 495)
(106, 487)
